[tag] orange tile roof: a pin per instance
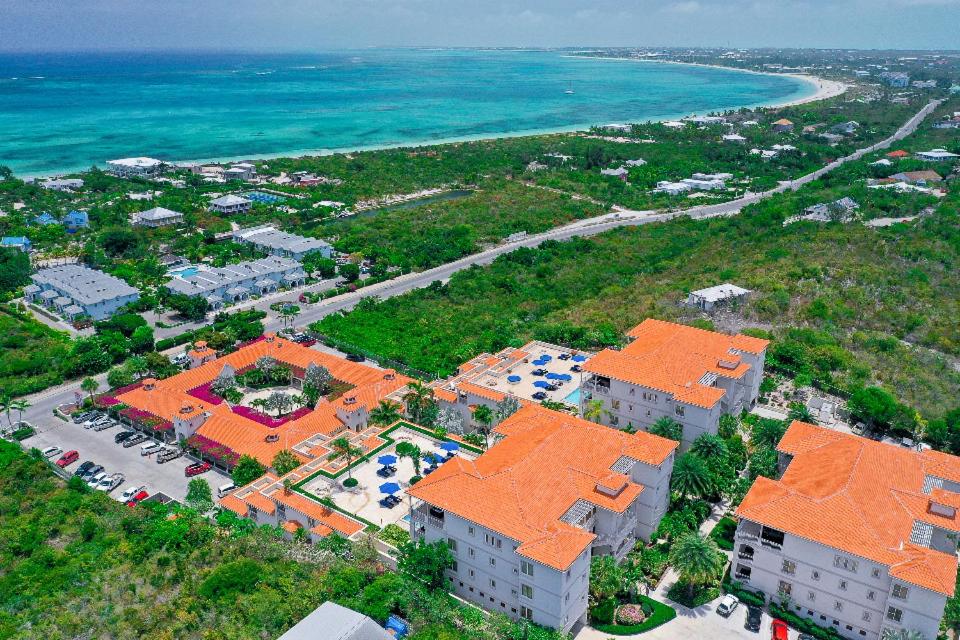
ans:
(546, 462)
(482, 391)
(859, 496)
(245, 436)
(235, 504)
(291, 526)
(899, 153)
(673, 358)
(783, 121)
(319, 512)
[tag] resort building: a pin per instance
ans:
(135, 167)
(936, 155)
(76, 220)
(269, 239)
(895, 79)
(689, 375)
(74, 290)
(721, 294)
(62, 184)
(183, 407)
(524, 518)
(157, 217)
(236, 282)
(531, 373)
(240, 171)
(230, 204)
(859, 535)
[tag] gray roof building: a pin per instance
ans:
(331, 621)
(280, 243)
(157, 217)
(98, 294)
(238, 281)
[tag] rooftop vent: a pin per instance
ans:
(350, 400)
(389, 374)
(272, 437)
(186, 408)
(149, 383)
(728, 364)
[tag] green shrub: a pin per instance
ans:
(723, 533)
(23, 433)
(744, 595)
(658, 613)
(802, 624)
(681, 594)
(394, 535)
(350, 483)
(604, 610)
(231, 578)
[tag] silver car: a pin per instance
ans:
(110, 483)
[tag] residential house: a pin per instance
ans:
(924, 84)
(620, 172)
(330, 621)
(617, 128)
(842, 210)
(922, 178)
(135, 167)
(524, 519)
(157, 217)
(936, 155)
(75, 290)
(717, 295)
(734, 137)
(668, 370)
(16, 242)
(45, 219)
(856, 535)
(62, 184)
(76, 220)
(898, 154)
(845, 128)
(230, 204)
(782, 126)
(271, 240)
(241, 171)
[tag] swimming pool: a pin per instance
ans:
(573, 397)
(266, 198)
(184, 272)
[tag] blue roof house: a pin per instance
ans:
(15, 242)
(76, 220)
(45, 219)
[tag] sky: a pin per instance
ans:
(311, 25)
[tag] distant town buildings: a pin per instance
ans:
(895, 79)
(74, 290)
(135, 167)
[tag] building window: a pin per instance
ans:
(679, 411)
(615, 404)
(845, 563)
(789, 567)
(816, 575)
(875, 573)
(900, 591)
(811, 596)
(843, 585)
(493, 562)
(785, 588)
(866, 616)
(871, 595)
(566, 598)
(526, 612)
(526, 568)
(472, 574)
(471, 531)
(452, 544)
(453, 566)
(471, 552)
(894, 614)
(493, 584)
(526, 591)
(838, 606)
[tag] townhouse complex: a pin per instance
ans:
(857, 535)
(239, 281)
(525, 517)
(74, 290)
(269, 239)
(689, 375)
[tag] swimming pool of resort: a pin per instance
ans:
(265, 198)
(184, 272)
(573, 397)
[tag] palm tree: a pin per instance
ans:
(387, 412)
(90, 386)
(691, 476)
(412, 451)
(594, 410)
(697, 559)
(667, 428)
(606, 578)
(708, 446)
(484, 415)
(799, 411)
(417, 398)
(20, 406)
(261, 404)
(6, 405)
(342, 448)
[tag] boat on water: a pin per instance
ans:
(569, 90)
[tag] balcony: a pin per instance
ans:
(745, 552)
(421, 515)
(742, 573)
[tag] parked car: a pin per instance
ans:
(110, 483)
(103, 426)
(805, 636)
(92, 471)
(779, 630)
(96, 478)
(727, 604)
(196, 469)
(123, 435)
(82, 469)
(97, 423)
(150, 448)
(355, 357)
(137, 498)
(68, 458)
(49, 452)
(82, 417)
(92, 417)
(134, 440)
(169, 454)
(754, 618)
(129, 492)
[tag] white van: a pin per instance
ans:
(224, 489)
(150, 448)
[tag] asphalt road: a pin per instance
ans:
(41, 415)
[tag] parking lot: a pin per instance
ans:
(101, 449)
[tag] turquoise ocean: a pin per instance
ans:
(64, 112)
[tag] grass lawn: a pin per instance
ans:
(662, 613)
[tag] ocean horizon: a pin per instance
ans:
(66, 112)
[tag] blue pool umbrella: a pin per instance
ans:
(449, 446)
(389, 488)
(552, 376)
(579, 358)
(432, 459)
(387, 460)
(542, 384)
(513, 378)
(546, 358)
(566, 377)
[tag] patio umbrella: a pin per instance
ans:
(449, 446)
(389, 488)
(387, 460)
(513, 378)
(543, 384)
(432, 459)
(579, 358)
(546, 358)
(566, 377)
(553, 376)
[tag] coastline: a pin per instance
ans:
(822, 89)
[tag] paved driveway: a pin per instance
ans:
(99, 447)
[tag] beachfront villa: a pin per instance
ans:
(524, 518)
(236, 282)
(21, 243)
(230, 204)
(135, 167)
(62, 184)
(269, 239)
(157, 217)
(689, 375)
(858, 535)
(74, 290)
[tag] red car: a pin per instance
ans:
(68, 458)
(196, 469)
(132, 502)
(779, 630)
